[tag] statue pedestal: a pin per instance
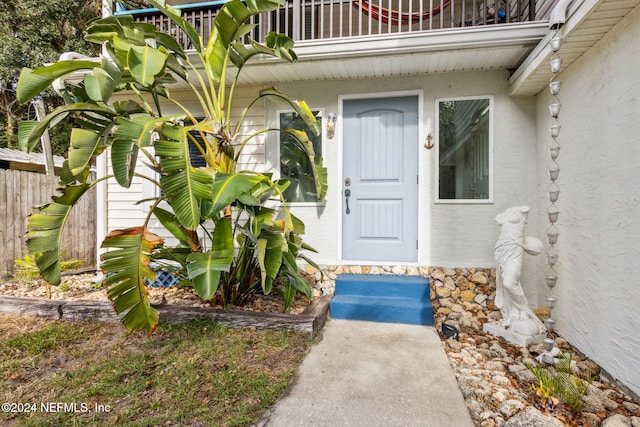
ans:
(495, 328)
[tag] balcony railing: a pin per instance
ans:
(328, 19)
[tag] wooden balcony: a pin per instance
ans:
(315, 20)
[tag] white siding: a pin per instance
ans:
(598, 289)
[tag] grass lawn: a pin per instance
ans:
(56, 373)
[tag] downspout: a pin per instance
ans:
(559, 14)
(556, 20)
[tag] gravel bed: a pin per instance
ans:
(85, 287)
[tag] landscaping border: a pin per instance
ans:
(310, 321)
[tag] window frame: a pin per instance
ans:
(489, 199)
(277, 174)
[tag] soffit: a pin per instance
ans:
(588, 21)
(443, 51)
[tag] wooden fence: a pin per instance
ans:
(20, 191)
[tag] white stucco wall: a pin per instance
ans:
(457, 235)
(598, 289)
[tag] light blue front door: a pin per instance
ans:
(380, 187)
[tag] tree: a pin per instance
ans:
(250, 246)
(135, 4)
(32, 33)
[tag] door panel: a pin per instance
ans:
(380, 217)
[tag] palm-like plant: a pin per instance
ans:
(250, 244)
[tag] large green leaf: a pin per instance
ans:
(289, 269)
(124, 157)
(32, 138)
(277, 45)
(169, 42)
(127, 268)
(84, 145)
(240, 54)
(230, 22)
(261, 6)
(185, 191)
(227, 188)
(282, 46)
(44, 233)
(129, 135)
(229, 27)
(128, 107)
(205, 268)
(269, 251)
(300, 107)
(298, 225)
(183, 185)
(122, 34)
(318, 170)
(301, 139)
(25, 127)
(216, 57)
(263, 217)
(171, 223)
(105, 29)
(146, 63)
(259, 193)
(321, 177)
(32, 82)
(140, 129)
(111, 65)
(174, 14)
(99, 85)
(126, 30)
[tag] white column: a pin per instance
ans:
(102, 204)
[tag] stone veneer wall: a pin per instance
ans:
(462, 297)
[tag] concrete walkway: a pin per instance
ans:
(373, 374)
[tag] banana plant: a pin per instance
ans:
(218, 206)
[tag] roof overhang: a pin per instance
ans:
(20, 160)
(419, 53)
(587, 22)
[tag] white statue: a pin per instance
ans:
(510, 298)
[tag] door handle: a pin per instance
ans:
(347, 194)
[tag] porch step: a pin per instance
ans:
(382, 298)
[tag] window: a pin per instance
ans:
(294, 165)
(150, 190)
(464, 150)
(197, 159)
